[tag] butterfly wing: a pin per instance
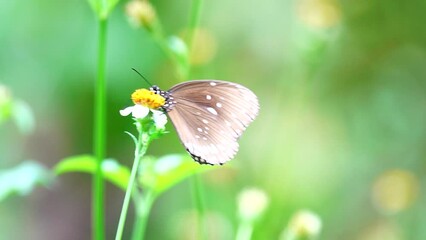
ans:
(210, 116)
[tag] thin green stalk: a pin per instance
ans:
(142, 214)
(140, 151)
(99, 135)
(244, 231)
(199, 203)
(194, 20)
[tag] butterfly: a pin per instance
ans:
(209, 117)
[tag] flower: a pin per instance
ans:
(303, 223)
(395, 190)
(140, 13)
(4, 95)
(252, 202)
(146, 101)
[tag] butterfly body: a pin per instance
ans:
(209, 116)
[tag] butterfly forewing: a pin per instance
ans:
(210, 116)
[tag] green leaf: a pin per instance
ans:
(162, 174)
(23, 116)
(179, 49)
(5, 110)
(112, 170)
(135, 140)
(23, 178)
(18, 110)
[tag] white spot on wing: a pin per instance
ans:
(200, 130)
(196, 136)
(208, 97)
(204, 138)
(205, 121)
(219, 105)
(212, 110)
(212, 83)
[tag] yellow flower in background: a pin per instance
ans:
(395, 190)
(319, 13)
(204, 47)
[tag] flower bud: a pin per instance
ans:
(4, 95)
(319, 14)
(140, 13)
(303, 224)
(252, 203)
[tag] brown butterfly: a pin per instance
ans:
(209, 117)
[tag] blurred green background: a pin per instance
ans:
(341, 129)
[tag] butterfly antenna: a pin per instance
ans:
(144, 78)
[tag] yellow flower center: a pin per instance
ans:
(147, 98)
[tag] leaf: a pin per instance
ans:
(162, 174)
(135, 140)
(23, 116)
(23, 178)
(18, 110)
(178, 47)
(112, 170)
(5, 109)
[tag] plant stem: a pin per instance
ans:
(99, 135)
(196, 184)
(244, 231)
(199, 203)
(142, 214)
(194, 20)
(140, 151)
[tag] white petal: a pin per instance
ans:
(140, 111)
(160, 118)
(126, 111)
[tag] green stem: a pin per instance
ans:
(141, 147)
(142, 216)
(244, 231)
(194, 20)
(199, 203)
(196, 183)
(99, 135)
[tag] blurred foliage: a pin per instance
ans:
(22, 179)
(155, 174)
(113, 171)
(163, 173)
(342, 91)
(17, 110)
